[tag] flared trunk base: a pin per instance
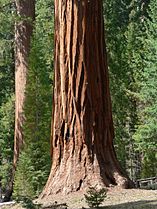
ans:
(73, 175)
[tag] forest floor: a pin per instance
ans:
(116, 199)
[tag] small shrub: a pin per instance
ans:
(95, 197)
(28, 203)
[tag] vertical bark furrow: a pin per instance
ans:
(84, 149)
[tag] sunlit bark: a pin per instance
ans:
(82, 130)
(23, 32)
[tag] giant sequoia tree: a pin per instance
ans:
(82, 128)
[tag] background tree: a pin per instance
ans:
(116, 14)
(23, 33)
(40, 62)
(125, 36)
(145, 136)
(34, 162)
(134, 56)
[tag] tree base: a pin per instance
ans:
(70, 177)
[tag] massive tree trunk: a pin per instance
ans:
(23, 33)
(82, 129)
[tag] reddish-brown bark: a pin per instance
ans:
(82, 129)
(23, 32)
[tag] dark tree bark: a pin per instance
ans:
(82, 129)
(23, 32)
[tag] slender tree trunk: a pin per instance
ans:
(82, 130)
(23, 33)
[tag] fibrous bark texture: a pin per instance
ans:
(23, 33)
(82, 128)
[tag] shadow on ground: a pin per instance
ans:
(152, 204)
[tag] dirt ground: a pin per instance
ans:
(116, 199)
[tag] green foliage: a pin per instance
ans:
(117, 19)
(45, 31)
(6, 91)
(6, 140)
(146, 133)
(28, 203)
(6, 50)
(132, 67)
(134, 56)
(22, 186)
(34, 163)
(95, 197)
